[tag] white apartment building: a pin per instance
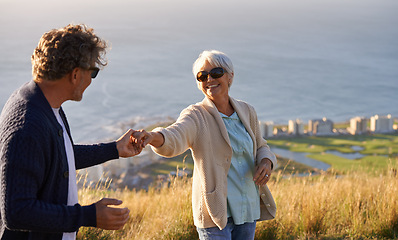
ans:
(296, 127)
(267, 129)
(381, 124)
(358, 125)
(320, 126)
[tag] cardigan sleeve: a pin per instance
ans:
(90, 155)
(24, 167)
(179, 136)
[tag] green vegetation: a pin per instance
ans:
(341, 125)
(377, 143)
(367, 164)
(378, 148)
(184, 161)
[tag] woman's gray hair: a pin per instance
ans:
(216, 59)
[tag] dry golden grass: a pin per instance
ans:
(327, 206)
(163, 213)
(353, 206)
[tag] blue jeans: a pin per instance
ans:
(230, 232)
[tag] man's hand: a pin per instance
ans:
(109, 218)
(263, 172)
(126, 146)
(142, 138)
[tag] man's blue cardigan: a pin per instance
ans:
(34, 170)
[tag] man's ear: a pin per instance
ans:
(75, 76)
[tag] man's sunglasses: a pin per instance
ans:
(217, 72)
(94, 72)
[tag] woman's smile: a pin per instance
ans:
(213, 86)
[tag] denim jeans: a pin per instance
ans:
(230, 232)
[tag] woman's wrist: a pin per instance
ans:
(268, 161)
(157, 139)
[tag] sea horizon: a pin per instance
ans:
(293, 60)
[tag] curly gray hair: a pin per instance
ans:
(61, 50)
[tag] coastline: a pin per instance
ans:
(147, 169)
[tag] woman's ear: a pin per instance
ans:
(231, 77)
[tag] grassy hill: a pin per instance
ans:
(358, 201)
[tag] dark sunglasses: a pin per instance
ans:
(94, 72)
(217, 72)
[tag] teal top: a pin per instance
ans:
(243, 200)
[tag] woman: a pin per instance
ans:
(232, 162)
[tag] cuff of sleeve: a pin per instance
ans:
(90, 216)
(164, 149)
(266, 153)
(114, 153)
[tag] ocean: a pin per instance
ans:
(293, 59)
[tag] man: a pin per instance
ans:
(37, 156)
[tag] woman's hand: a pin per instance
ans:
(263, 172)
(142, 138)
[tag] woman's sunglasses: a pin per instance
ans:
(217, 72)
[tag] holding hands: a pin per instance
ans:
(132, 142)
(126, 146)
(142, 138)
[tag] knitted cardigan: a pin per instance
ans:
(34, 170)
(201, 129)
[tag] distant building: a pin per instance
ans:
(358, 125)
(279, 132)
(267, 129)
(320, 126)
(381, 124)
(296, 127)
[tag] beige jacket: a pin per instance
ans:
(201, 129)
